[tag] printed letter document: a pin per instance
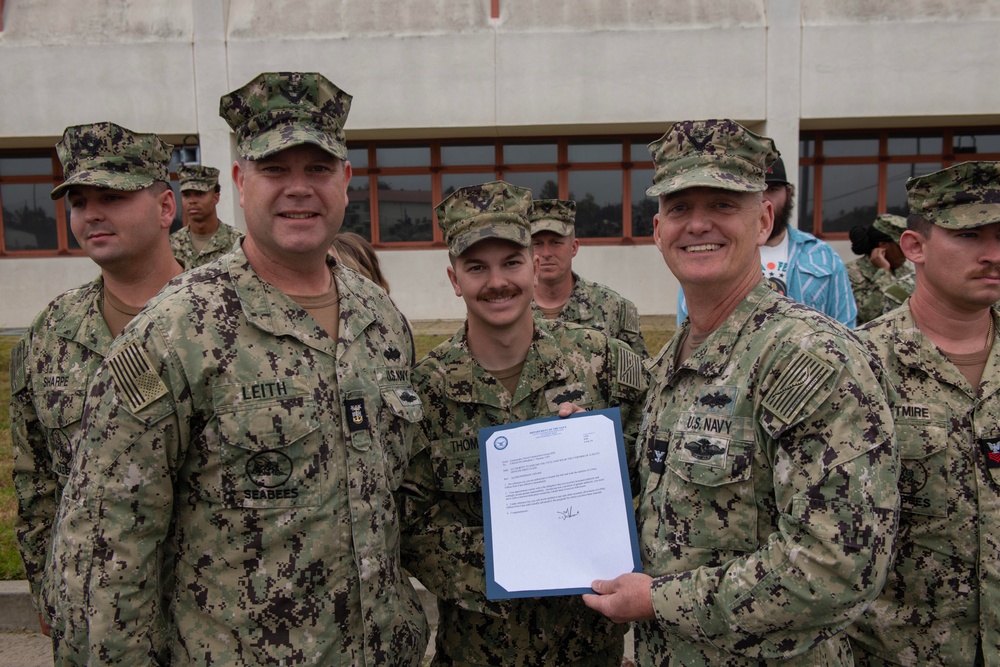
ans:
(557, 508)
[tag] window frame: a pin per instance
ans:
(499, 170)
(946, 158)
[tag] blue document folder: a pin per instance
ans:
(557, 506)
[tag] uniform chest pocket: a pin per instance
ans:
(923, 475)
(706, 473)
(60, 412)
(271, 455)
(456, 465)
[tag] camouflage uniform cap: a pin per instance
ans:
(963, 196)
(495, 210)
(110, 156)
(552, 215)
(710, 153)
(197, 177)
(278, 110)
(891, 225)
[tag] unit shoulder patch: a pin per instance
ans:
(796, 385)
(134, 377)
(629, 319)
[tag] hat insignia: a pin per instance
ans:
(293, 89)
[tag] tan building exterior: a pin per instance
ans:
(429, 74)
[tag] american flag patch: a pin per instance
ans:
(629, 368)
(796, 385)
(134, 377)
(17, 374)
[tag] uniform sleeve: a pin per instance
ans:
(835, 467)
(632, 329)
(438, 545)
(35, 483)
(842, 305)
(120, 496)
(629, 382)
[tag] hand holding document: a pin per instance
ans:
(556, 505)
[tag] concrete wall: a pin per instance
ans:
(444, 68)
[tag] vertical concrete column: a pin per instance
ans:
(211, 81)
(784, 81)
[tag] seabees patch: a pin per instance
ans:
(796, 385)
(134, 377)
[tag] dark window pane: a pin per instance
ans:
(848, 146)
(184, 155)
(640, 152)
(644, 207)
(895, 191)
(458, 155)
(965, 143)
(403, 156)
(358, 215)
(29, 217)
(850, 196)
(806, 196)
(530, 153)
(598, 196)
(807, 148)
(69, 229)
(26, 165)
(358, 157)
(404, 208)
(915, 145)
(543, 184)
(595, 152)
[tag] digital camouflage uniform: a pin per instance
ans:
(201, 179)
(54, 361)
(229, 434)
(222, 241)
(768, 500)
(768, 494)
(596, 305)
(943, 590)
(941, 602)
(899, 289)
(442, 504)
(869, 282)
(231, 498)
(591, 304)
(51, 366)
(443, 511)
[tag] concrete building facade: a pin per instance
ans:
(857, 93)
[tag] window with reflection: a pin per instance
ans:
(845, 178)
(848, 178)
(405, 211)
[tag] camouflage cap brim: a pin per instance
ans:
(107, 155)
(697, 174)
(505, 226)
(197, 186)
(962, 196)
(99, 176)
(276, 139)
(892, 226)
(965, 216)
(549, 225)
